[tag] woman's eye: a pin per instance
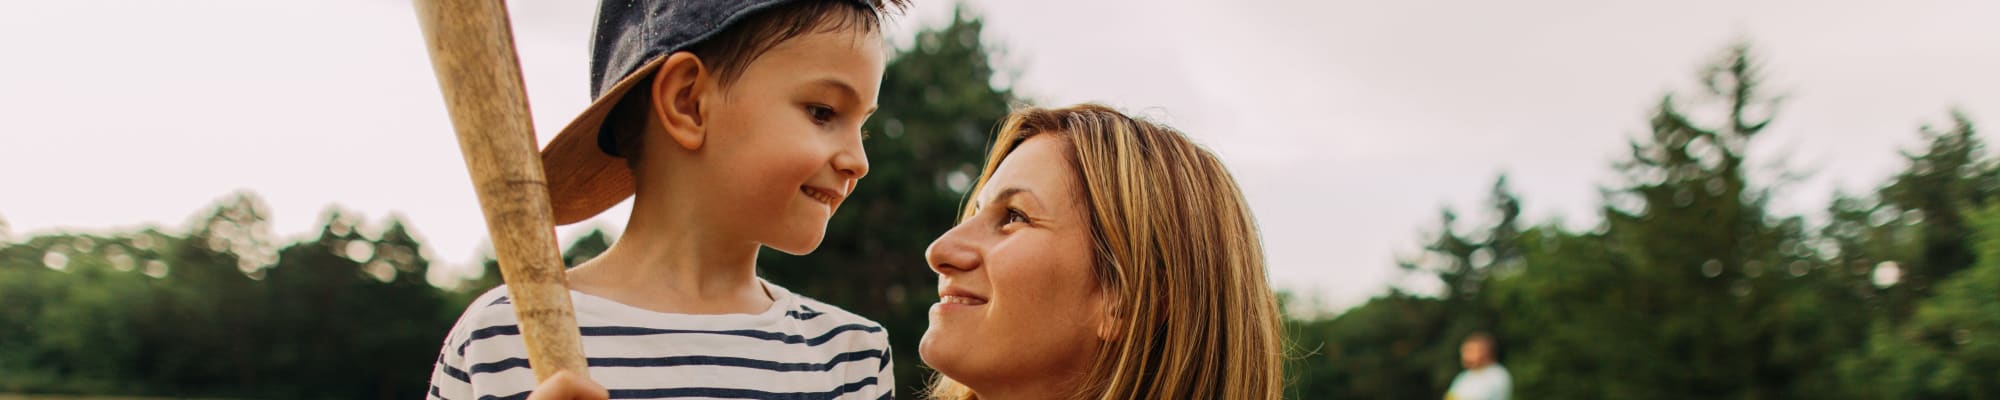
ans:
(1015, 216)
(820, 114)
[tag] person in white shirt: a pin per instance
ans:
(1483, 378)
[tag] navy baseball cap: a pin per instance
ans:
(631, 40)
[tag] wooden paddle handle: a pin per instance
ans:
(472, 49)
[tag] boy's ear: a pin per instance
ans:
(680, 93)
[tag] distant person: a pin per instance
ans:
(1483, 378)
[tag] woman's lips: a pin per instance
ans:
(948, 303)
(961, 300)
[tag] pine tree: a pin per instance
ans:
(1405, 346)
(1948, 348)
(1951, 178)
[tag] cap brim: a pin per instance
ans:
(583, 180)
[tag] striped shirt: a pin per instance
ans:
(798, 349)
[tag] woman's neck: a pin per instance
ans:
(1045, 386)
(672, 260)
(1031, 392)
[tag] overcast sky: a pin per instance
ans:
(1349, 123)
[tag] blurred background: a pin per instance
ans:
(1700, 199)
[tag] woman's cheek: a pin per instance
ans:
(1035, 286)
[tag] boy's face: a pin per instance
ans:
(785, 137)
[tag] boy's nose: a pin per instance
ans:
(852, 161)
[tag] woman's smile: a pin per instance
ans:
(957, 299)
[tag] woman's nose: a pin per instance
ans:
(952, 253)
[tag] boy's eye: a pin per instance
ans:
(820, 114)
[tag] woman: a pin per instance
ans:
(1102, 257)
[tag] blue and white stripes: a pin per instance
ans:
(799, 349)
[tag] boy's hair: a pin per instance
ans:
(730, 52)
(1185, 274)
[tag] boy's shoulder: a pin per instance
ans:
(844, 331)
(493, 306)
(805, 308)
(492, 313)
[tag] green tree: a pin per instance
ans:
(1950, 348)
(346, 315)
(1373, 351)
(1692, 290)
(1702, 238)
(202, 322)
(587, 247)
(25, 288)
(1570, 332)
(582, 249)
(76, 334)
(1405, 346)
(313, 325)
(352, 316)
(1951, 178)
(1933, 225)
(1466, 262)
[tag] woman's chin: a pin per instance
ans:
(934, 350)
(949, 336)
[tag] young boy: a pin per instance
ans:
(738, 125)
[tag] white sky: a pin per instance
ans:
(1348, 122)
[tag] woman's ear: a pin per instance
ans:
(1110, 329)
(681, 89)
(1110, 325)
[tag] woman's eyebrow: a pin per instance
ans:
(1009, 193)
(1005, 194)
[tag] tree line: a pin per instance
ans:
(1691, 287)
(1688, 287)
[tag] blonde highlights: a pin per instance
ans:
(1177, 255)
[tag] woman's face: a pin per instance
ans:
(1019, 308)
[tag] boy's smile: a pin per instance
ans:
(824, 196)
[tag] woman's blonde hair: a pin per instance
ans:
(1177, 255)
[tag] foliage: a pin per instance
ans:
(1689, 287)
